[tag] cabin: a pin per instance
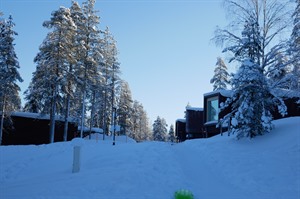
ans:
(194, 121)
(292, 102)
(23, 128)
(202, 122)
(180, 132)
(212, 113)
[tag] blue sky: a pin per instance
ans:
(165, 46)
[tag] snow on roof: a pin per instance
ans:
(287, 93)
(40, 116)
(94, 129)
(211, 93)
(279, 92)
(194, 108)
(225, 93)
(211, 123)
(181, 120)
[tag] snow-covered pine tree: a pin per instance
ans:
(278, 72)
(139, 128)
(159, 129)
(253, 98)
(171, 136)
(38, 94)
(220, 79)
(80, 50)
(144, 127)
(110, 70)
(9, 75)
(249, 117)
(53, 61)
(294, 49)
(124, 107)
(137, 108)
(92, 54)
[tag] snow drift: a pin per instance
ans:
(218, 167)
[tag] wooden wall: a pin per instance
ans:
(24, 131)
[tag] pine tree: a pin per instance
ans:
(111, 71)
(144, 127)
(9, 75)
(278, 73)
(38, 94)
(54, 65)
(253, 98)
(92, 54)
(247, 118)
(124, 107)
(139, 128)
(171, 136)
(220, 79)
(159, 129)
(294, 49)
(135, 116)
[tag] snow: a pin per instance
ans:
(181, 120)
(194, 108)
(213, 122)
(41, 116)
(286, 93)
(77, 142)
(219, 167)
(223, 92)
(93, 129)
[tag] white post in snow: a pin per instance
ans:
(76, 159)
(77, 143)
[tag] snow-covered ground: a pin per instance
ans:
(266, 167)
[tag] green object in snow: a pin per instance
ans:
(183, 194)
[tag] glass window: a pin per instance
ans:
(212, 109)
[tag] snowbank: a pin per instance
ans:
(218, 167)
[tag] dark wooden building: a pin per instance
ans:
(202, 123)
(292, 105)
(194, 123)
(180, 132)
(32, 128)
(212, 113)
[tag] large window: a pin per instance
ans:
(212, 109)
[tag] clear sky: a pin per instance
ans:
(165, 46)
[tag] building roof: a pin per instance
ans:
(181, 120)
(40, 116)
(225, 93)
(194, 109)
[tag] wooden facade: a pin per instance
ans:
(201, 123)
(32, 128)
(293, 108)
(210, 122)
(194, 123)
(180, 132)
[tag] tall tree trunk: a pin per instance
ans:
(83, 112)
(52, 114)
(92, 113)
(105, 114)
(2, 118)
(67, 117)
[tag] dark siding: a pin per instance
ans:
(293, 109)
(210, 128)
(34, 131)
(180, 131)
(194, 123)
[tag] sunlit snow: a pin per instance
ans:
(219, 167)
